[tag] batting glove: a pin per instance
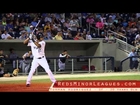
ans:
(30, 36)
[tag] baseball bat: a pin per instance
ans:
(36, 27)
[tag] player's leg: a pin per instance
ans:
(63, 66)
(59, 65)
(43, 62)
(23, 67)
(27, 68)
(34, 65)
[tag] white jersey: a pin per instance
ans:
(37, 52)
(5, 36)
(62, 59)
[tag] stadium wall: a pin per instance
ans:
(54, 48)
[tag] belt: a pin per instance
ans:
(40, 57)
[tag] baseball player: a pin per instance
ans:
(61, 62)
(25, 63)
(37, 48)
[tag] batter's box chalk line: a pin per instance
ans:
(52, 85)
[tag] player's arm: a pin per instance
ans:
(62, 55)
(37, 43)
(67, 56)
(24, 56)
(26, 41)
(33, 40)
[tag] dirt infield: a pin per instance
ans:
(44, 87)
(21, 87)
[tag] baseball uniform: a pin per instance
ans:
(39, 59)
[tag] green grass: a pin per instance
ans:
(131, 77)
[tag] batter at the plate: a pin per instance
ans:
(37, 48)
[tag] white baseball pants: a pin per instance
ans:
(42, 62)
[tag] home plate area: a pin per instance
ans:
(44, 86)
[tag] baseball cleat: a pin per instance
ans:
(27, 85)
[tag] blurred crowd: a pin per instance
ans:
(71, 26)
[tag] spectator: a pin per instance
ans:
(45, 36)
(30, 29)
(1, 26)
(110, 21)
(134, 28)
(137, 37)
(137, 15)
(84, 25)
(99, 24)
(59, 36)
(126, 24)
(47, 27)
(4, 22)
(78, 36)
(138, 24)
(83, 34)
(131, 22)
(137, 40)
(9, 25)
(90, 20)
(34, 22)
(11, 33)
(48, 18)
(105, 22)
(49, 34)
(40, 29)
(67, 35)
(5, 35)
(88, 36)
(102, 18)
(111, 38)
(74, 25)
(53, 30)
(16, 27)
(55, 20)
(27, 27)
(62, 20)
(23, 35)
(66, 25)
(0, 35)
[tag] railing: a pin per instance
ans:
(121, 63)
(72, 62)
(122, 45)
(105, 63)
(122, 41)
